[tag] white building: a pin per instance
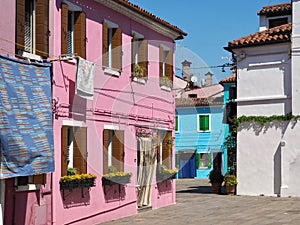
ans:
(268, 83)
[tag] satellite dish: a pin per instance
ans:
(194, 79)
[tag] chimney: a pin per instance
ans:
(186, 70)
(208, 79)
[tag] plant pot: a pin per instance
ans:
(230, 189)
(216, 188)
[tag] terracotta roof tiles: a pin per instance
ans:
(276, 10)
(273, 35)
(230, 79)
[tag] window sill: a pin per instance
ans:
(28, 187)
(139, 80)
(112, 72)
(165, 88)
(203, 131)
(30, 56)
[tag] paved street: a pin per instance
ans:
(196, 205)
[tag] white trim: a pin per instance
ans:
(111, 24)
(72, 7)
(28, 187)
(111, 127)
(72, 123)
(266, 63)
(262, 98)
(178, 125)
(198, 125)
(139, 80)
(110, 71)
(165, 88)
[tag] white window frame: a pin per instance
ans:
(137, 45)
(166, 51)
(198, 122)
(178, 124)
(110, 27)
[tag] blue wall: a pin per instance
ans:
(189, 139)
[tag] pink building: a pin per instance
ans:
(113, 107)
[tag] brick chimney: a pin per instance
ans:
(186, 70)
(208, 79)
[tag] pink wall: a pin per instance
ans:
(139, 103)
(114, 95)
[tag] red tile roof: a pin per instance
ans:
(142, 11)
(276, 10)
(230, 79)
(197, 102)
(273, 35)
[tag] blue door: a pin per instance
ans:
(187, 165)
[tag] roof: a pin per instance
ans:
(276, 10)
(205, 91)
(231, 79)
(273, 35)
(150, 15)
(197, 102)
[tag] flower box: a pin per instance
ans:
(165, 176)
(77, 181)
(116, 178)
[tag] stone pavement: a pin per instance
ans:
(196, 205)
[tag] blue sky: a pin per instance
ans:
(210, 26)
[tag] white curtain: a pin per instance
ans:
(146, 170)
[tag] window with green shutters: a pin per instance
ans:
(203, 122)
(176, 124)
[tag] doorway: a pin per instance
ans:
(187, 164)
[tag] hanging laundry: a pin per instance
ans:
(26, 131)
(85, 78)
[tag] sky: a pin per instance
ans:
(210, 26)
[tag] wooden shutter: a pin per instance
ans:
(64, 28)
(133, 49)
(42, 27)
(64, 150)
(39, 179)
(80, 149)
(105, 44)
(204, 122)
(169, 65)
(161, 60)
(105, 150)
(117, 49)
(20, 24)
(80, 34)
(143, 56)
(118, 150)
(167, 150)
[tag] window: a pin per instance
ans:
(203, 122)
(165, 66)
(203, 161)
(232, 93)
(32, 27)
(139, 54)
(277, 22)
(73, 39)
(177, 124)
(112, 46)
(74, 149)
(30, 183)
(113, 149)
(164, 154)
(192, 95)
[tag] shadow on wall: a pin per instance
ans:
(75, 197)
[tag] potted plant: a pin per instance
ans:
(115, 177)
(165, 81)
(216, 179)
(230, 183)
(138, 71)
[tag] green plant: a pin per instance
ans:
(138, 71)
(112, 169)
(72, 171)
(230, 179)
(215, 176)
(165, 81)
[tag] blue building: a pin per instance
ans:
(200, 132)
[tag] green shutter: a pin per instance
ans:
(176, 124)
(198, 159)
(204, 122)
